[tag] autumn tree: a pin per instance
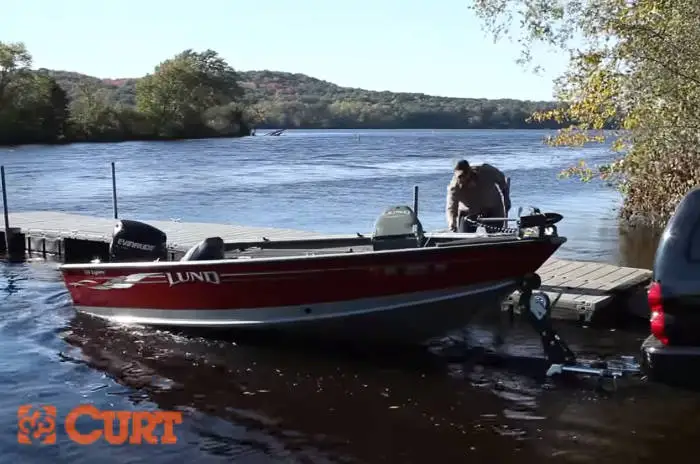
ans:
(634, 65)
(182, 91)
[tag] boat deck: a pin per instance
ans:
(580, 289)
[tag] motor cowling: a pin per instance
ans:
(137, 241)
(397, 227)
(397, 221)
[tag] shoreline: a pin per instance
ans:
(230, 136)
(121, 140)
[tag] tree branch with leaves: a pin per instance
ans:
(634, 64)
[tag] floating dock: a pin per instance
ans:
(580, 290)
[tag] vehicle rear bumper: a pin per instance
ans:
(673, 365)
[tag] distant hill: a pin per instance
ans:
(281, 99)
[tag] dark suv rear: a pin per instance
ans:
(672, 352)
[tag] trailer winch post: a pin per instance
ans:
(536, 307)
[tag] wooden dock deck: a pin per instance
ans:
(181, 235)
(579, 290)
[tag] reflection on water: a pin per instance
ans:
(326, 406)
(638, 246)
(292, 402)
(11, 281)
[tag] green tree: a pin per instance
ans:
(45, 108)
(32, 105)
(635, 66)
(182, 89)
(198, 88)
(93, 117)
(15, 60)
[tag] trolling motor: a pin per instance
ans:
(544, 223)
(536, 308)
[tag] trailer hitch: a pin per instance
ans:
(536, 308)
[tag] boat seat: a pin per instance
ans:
(208, 249)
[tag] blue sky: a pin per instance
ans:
(413, 45)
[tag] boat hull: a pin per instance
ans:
(405, 318)
(396, 295)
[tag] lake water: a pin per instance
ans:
(252, 404)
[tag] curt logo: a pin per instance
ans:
(37, 425)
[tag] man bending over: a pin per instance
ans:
(476, 191)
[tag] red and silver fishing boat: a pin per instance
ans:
(398, 284)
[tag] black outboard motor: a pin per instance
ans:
(137, 241)
(210, 248)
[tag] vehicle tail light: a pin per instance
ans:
(657, 319)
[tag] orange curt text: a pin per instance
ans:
(37, 425)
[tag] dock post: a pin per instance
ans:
(114, 191)
(13, 238)
(4, 208)
(415, 200)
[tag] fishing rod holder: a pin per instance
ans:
(536, 307)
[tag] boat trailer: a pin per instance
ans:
(535, 307)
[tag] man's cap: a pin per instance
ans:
(462, 165)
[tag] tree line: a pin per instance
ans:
(273, 99)
(295, 100)
(192, 95)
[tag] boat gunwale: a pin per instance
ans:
(553, 239)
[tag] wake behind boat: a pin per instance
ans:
(398, 285)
